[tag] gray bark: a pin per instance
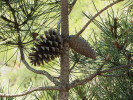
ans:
(64, 72)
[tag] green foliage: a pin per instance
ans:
(114, 47)
(115, 40)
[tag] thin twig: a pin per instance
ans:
(100, 68)
(6, 19)
(115, 75)
(71, 6)
(29, 91)
(97, 14)
(9, 39)
(117, 67)
(13, 13)
(58, 27)
(73, 66)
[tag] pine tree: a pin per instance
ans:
(21, 24)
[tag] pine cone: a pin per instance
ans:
(82, 47)
(46, 48)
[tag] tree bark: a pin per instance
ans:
(64, 72)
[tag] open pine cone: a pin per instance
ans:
(82, 47)
(46, 48)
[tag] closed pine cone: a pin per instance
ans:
(82, 47)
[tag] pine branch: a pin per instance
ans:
(29, 91)
(97, 14)
(43, 72)
(84, 81)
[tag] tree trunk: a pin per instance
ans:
(64, 73)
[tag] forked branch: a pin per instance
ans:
(84, 81)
